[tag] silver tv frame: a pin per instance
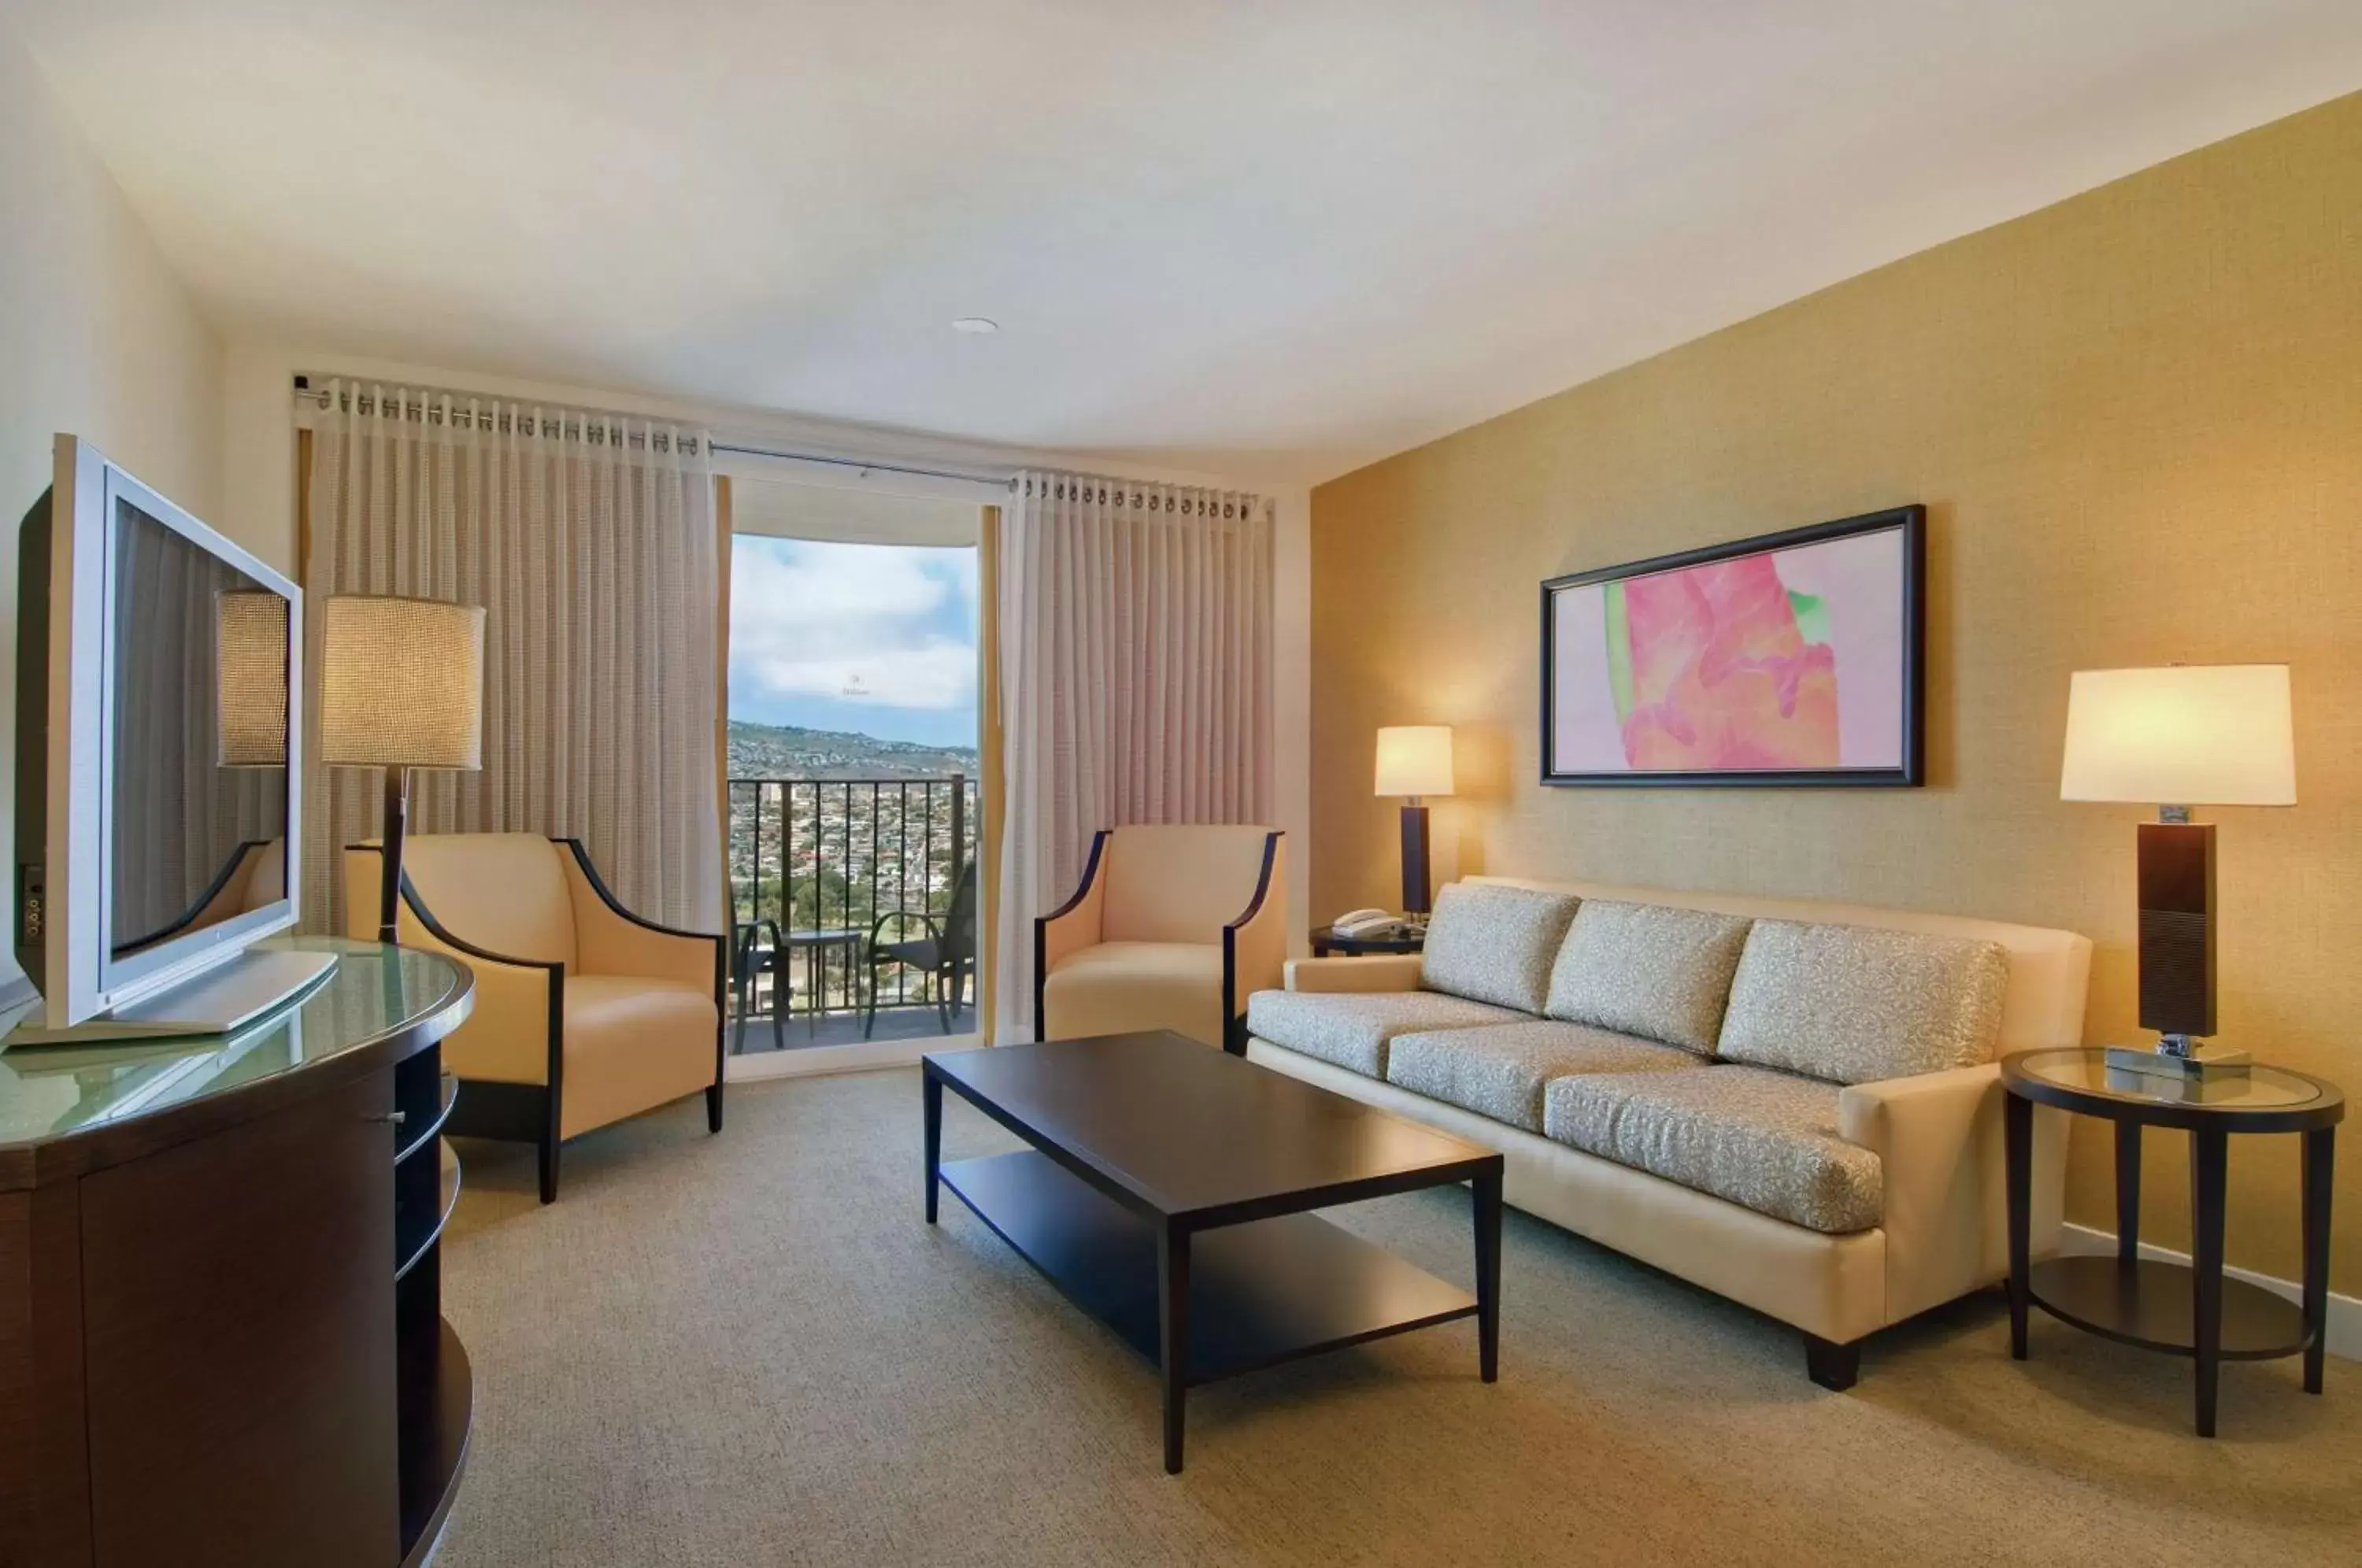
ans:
(83, 980)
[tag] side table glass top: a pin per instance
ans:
(48, 1092)
(2085, 1070)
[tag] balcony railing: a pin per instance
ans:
(824, 859)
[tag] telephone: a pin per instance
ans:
(1367, 922)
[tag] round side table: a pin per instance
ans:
(2192, 1311)
(1326, 940)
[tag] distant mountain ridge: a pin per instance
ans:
(788, 751)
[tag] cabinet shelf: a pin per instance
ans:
(446, 1096)
(447, 1200)
(435, 1448)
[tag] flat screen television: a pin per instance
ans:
(159, 760)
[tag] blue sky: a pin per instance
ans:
(876, 638)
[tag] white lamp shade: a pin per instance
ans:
(1415, 759)
(2214, 734)
(250, 678)
(401, 683)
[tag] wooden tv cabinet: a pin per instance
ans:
(221, 1329)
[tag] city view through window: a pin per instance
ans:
(854, 804)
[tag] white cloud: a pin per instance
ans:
(940, 674)
(856, 622)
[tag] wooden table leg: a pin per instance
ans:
(1173, 1337)
(2209, 1158)
(2320, 1147)
(1486, 1191)
(2128, 1186)
(2017, 1142)
(932, 1098)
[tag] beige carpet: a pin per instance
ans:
(751, 1350)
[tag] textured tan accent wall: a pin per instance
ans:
(2136, 419)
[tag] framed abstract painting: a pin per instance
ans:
(1790, 659)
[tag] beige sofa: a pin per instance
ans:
(1793, 1104)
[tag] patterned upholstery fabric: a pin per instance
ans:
(1498, 1071)
(1854, 1004)
(1647, 969)
(1351, 1028)
(1766, 1141)
(1494, 945)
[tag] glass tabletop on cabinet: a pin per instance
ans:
(48, 1091)
(2083, 1073)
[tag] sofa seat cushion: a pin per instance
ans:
(1765, 1141)
(1494, 945)
(1853, 1003)
(1114, 987)
(1647, 969)
(1351, 1028)
(632, 1044)
(1498, 1070)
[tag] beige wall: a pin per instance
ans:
(97, 337)
(2136, 419)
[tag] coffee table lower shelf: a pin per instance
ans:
(1261, 1292)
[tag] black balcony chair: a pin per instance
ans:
(947, 951)
(751, 956)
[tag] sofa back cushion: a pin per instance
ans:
(1494, 945)
(1854, 1004)
(2049, 969)
(1647, 969)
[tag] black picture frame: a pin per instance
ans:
(1912, 521)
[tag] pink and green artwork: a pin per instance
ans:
(1791, 658)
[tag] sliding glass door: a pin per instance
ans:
(855, 810)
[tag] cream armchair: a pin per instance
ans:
(585, 1013)
(1173, 927)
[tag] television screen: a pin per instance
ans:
(196, 657)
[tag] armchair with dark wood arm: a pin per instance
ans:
(1173, 927)
(585, 1013)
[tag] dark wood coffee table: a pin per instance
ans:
(1166, 1193)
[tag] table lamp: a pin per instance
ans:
(250, 685)
(1415, 761)
(401, 684)
(2190, 734)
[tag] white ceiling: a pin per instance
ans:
(1274, 240)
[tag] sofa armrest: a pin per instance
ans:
(1374, 972)
(1938, 1140)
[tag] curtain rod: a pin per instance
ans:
(305, 389)
(866, 465)
(869, 465)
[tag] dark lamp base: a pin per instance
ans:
(1415, 899)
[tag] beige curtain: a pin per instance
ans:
(1134, 641)
(589, 540)
(990, 785)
